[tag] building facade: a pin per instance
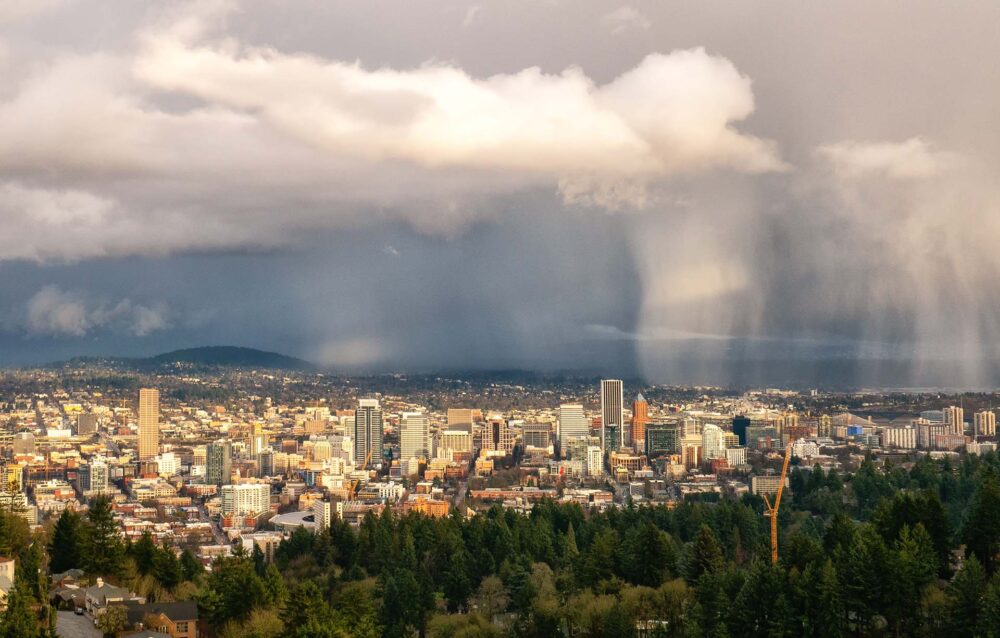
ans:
(149, 423)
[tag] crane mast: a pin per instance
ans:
(772, 510)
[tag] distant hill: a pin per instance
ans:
(229, 356)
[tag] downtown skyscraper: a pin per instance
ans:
(414, 436)
(572, 425)
(149, 423)
(612, 414)
(367, 432)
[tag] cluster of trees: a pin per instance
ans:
(872, 553)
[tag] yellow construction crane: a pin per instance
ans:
(772, 510)
(354, 485)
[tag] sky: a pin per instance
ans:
(696, 193)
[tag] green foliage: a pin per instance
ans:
(981, 530)
(104, 553)
(112, 620)
(18, 619)
(66, 546)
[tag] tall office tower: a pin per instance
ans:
(149, 423)
(825, 426)
(612, 414)
(640, 418)
(497, 436)
(414, 436)
(265, 460)
(86, 423)
(460, 419)
(368, 432)
(712, 442)
(573, 424)
(985, 423)
(322, 451)
(93, 476)
(218, 463)
(740, 425)
(23, 443)
(954, 418)
(257, 440)
(788, 423)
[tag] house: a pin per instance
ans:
(101, 594)
(145, 633)
(6, 578)
(177, 620)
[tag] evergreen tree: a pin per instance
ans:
(981, 531)
(167, 568)
(306, 614)
(966, 604)
(191, 566)
(705, 555)
(18, 619)
(28, 574)
(105, 551)
(65, 548)
(144, 552)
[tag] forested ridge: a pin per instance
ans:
(886, 551)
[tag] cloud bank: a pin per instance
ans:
(53, 312)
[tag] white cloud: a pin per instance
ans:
(625, 19)
(54, 312)
(271, 146)
(914, 158)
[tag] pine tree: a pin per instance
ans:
(144, 552)
(966, 603)
(105, 551)
(18, 619)
(28, 574)
(167, 568)
(65, 549)
(191, 566)
(981, 531)
(705, 556)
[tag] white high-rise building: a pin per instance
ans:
(149, 423)
(595, 461)
(954, 418)
(736, 456)
(414, 436)
(612, 413)
(322, 514)
(452, 441)
(368, 433)
(322, 450)
(246, 499)
(94, 476)
(713, 442)
(572, 425)
(985, 423)
(902, 436)
(167, 464)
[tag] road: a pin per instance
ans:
(220, 538)
(111, 444)
(69, 625)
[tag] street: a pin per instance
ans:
(69, 625)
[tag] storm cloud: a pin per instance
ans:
(689, 193)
